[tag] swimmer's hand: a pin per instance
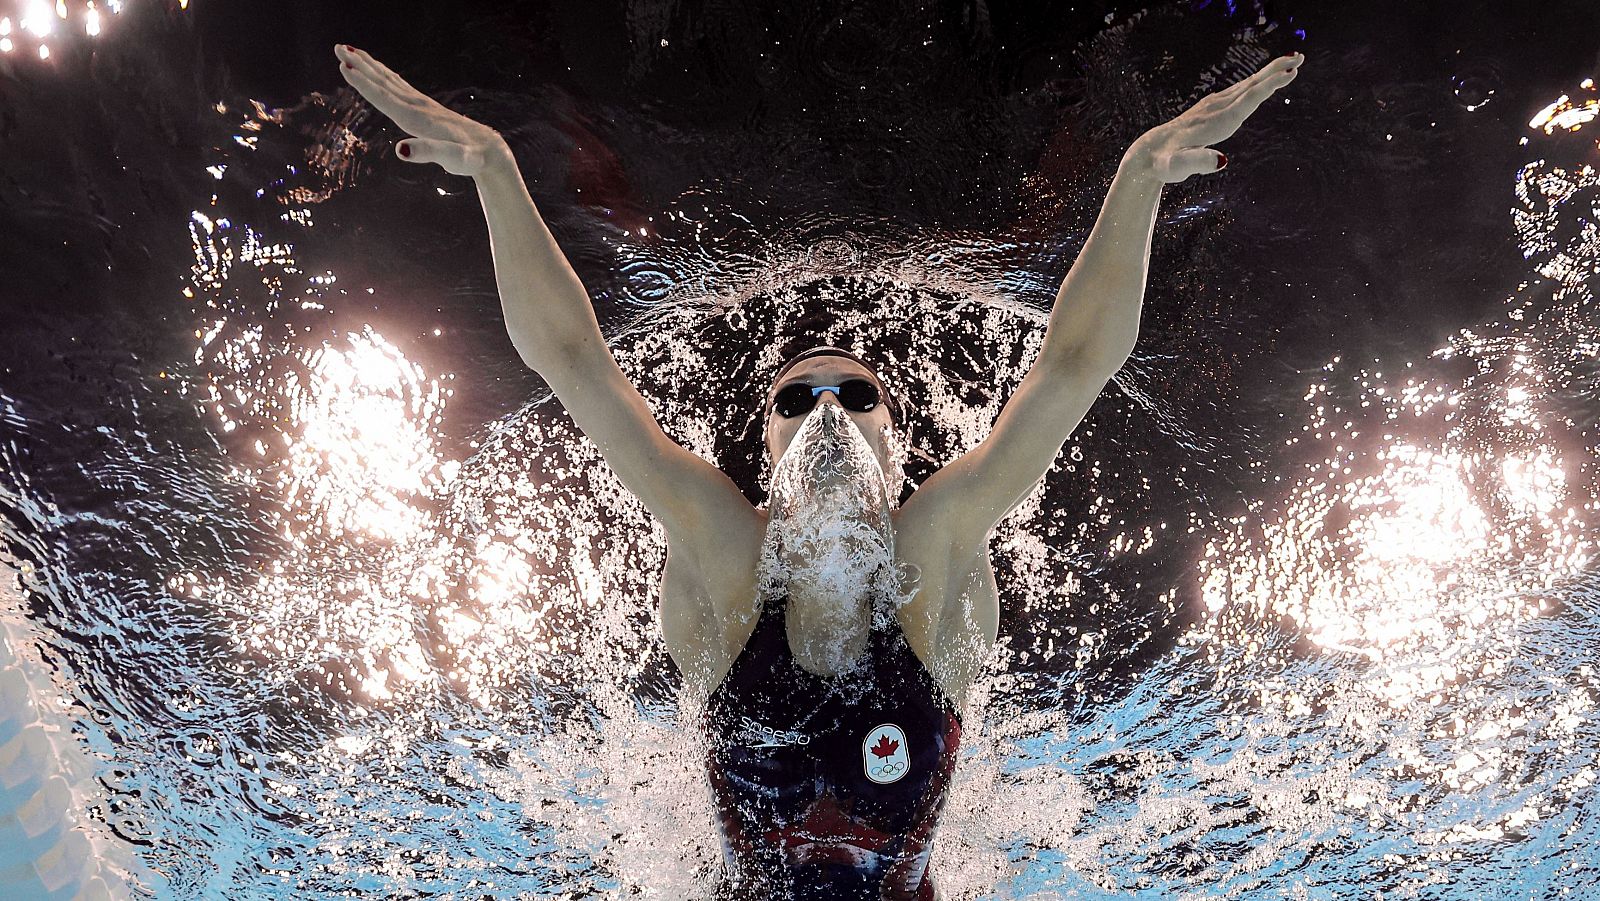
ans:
(438, 135)
(1175, 150)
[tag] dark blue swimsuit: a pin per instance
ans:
(828, 788)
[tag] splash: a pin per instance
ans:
(830, 541)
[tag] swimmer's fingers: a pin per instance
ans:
(1169, 153)
(1175, 150)
(356, 61)
(409, 108)
(1181, 164)
(440, 135)
(1275, 76)
(1217, 117)
(363, 62)
(1232, 92)
(457, 158)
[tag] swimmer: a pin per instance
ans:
(834, 636)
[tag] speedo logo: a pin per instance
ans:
(758, 735)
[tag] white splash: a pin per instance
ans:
(830, 541)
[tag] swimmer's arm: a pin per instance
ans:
(553, 327)
(549, 318)
(1095, 320)
(546, 307)
(1090, 335)
(1096, 312)
(965, 500)
(1095, 317)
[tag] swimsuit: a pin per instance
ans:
(828, 788)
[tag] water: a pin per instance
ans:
(336, 602)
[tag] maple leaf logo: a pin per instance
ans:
(885, 747)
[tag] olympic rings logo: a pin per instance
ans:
(885, 753)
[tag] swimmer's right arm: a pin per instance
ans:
(549, 317)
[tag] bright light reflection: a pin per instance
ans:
(36, 18)
(37, 22)
(361, 453)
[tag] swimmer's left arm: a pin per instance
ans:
(1094, 322)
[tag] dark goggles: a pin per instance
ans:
(798, 398)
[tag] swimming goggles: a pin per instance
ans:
(798, 398)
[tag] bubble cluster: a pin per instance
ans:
(830, 541)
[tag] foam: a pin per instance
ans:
(830, 539)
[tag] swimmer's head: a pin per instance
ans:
(834, 366)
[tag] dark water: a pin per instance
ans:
(340, 605)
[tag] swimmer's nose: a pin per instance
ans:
(828, 412)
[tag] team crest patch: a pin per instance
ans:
(885, 755)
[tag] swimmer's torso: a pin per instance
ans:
(828, 788)
(835, 637)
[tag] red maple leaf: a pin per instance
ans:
(885, 747)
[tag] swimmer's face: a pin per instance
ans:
(829, 370)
